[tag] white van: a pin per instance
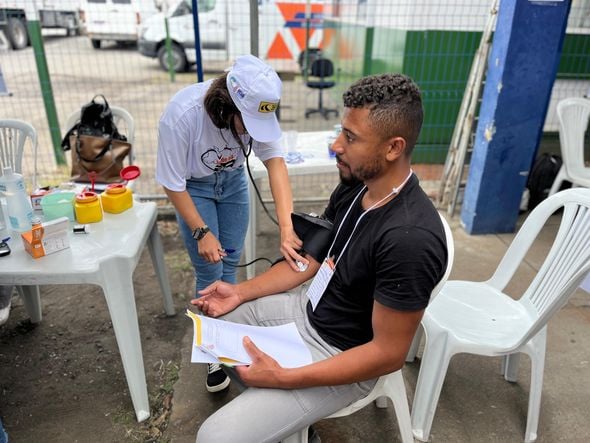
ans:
(117, 20)
(213, 28)
(224, 30)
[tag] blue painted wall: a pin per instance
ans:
(521, 70)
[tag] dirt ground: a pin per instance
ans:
(63, 381)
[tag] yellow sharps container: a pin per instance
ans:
(87, 207)
(116, 198)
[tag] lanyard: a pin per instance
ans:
(394, 191)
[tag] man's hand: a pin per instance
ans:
(290, 244)
(264, 370)
(217, 299)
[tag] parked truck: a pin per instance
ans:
(51, 14)
(224, 30)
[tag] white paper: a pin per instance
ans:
(586, 284)
(221, 342)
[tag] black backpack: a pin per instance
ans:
(96, 119)
(541, 178)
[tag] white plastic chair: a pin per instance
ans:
(478, 318)
(390, 385)
(450, 259)
(573, 116)
(13, 138)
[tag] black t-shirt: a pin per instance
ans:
(396, 255)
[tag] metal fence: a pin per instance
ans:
(433, 41)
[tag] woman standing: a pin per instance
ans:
(205, 134)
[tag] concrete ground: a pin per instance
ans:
(476, 404)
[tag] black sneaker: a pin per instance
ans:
(217, 380)
(313, 436)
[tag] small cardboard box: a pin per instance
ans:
(47, 238)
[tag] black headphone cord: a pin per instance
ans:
(247, 155)
(248, 264)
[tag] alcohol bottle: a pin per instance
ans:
(4, 234)
(20, 211)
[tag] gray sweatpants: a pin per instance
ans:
(260, 415)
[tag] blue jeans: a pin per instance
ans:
(3, 435)
(222, 202)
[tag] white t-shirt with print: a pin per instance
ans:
(189, 145)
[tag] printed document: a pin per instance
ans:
(219, 341)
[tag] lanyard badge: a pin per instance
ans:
(320, 282)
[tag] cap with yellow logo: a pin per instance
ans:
(255, 89)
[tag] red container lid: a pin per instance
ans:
(86, 197)
(130, 172)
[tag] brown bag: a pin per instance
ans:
(104, 156)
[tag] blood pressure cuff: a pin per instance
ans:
(315, 232)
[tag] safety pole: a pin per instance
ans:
(168, 44)
(306, 49)
(34, 29)
(199, 57)
(254, 27)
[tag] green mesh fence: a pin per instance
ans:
(119, 50)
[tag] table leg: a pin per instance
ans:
(250, 241)
(117, 284)
(157, 254)
(32, 301)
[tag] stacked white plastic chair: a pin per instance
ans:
(13, 139)
(391, 385)
(14, 135)
(573, 114)
(479, 318)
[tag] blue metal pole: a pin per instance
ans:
(521, 70)
(197, 42)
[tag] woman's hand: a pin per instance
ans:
(210, 249)
(290, 244)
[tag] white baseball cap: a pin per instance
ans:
(255, 89)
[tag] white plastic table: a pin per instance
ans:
(107, 257)
(313, 147)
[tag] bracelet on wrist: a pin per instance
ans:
(200, 232)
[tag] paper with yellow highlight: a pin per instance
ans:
(219, 341)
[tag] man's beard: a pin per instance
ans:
(366, 172)
(350, 180)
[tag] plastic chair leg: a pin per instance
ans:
(510, 367)
(536, 350)
(396, 390)
(298, 437)
(117, 284)
(32, 300)
(413, 351)
(433, 370)
(381, 402)
(561, 176)
(157, 254)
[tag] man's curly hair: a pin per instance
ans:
(394, 103)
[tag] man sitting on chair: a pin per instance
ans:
(360, 313)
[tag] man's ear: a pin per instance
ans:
(396, 148)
